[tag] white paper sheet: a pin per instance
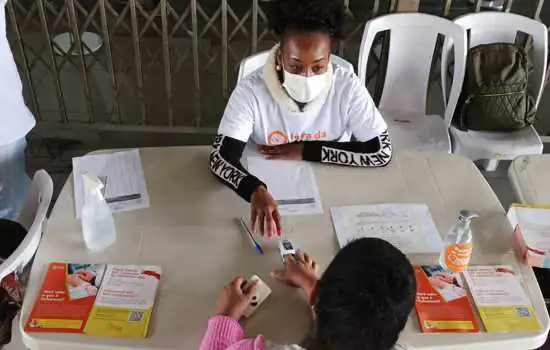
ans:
(535, 226)
(122, 175)
(409, 227)
(495, 286)
(291, 183)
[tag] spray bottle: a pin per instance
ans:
(457, 247)
(98, 224)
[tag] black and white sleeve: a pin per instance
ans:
(376, 152)
(373, 147)
(225, 163)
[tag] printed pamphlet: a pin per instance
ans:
(442, 302)
(96, 299)
(501, 301)
(531, 225)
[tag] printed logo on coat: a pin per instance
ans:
(276, 137)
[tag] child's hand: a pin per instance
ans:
(301, 271)
(233, 300)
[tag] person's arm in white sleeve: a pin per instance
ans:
(235, 129)
(372, 147)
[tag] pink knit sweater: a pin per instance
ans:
(224, 333)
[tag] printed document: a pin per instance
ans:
(409, 227)
(122, 176)
(96, 299)
(442, 302)
(534, 222)
(501, 301)
(291, 183)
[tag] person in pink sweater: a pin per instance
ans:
(361, 302)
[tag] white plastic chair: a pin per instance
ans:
(32, 218)
(251, 63)
(500, 27)
(403, 104)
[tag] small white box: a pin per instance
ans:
(262, 294)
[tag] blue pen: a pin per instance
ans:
(255, 244)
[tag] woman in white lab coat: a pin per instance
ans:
(298, 106)
(15, 123)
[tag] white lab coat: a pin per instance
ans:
(15, 118)
(15, 123)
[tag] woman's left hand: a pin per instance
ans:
(289, 151)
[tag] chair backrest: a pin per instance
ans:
(413, 38)
(503, 27)
(32, 218)
(251, 63)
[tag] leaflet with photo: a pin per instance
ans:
(96, 299)
(442, 302)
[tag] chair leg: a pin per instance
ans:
(490, 164)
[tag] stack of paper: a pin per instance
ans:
(409, 227)
(291, 183)
(122, 175)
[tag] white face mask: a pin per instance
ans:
(304, 89)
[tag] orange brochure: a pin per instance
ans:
(96, 299)
(442, 302)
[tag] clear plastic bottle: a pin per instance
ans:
(457, 246)
(98, 224)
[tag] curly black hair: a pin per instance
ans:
(307, 16)
(365, 297)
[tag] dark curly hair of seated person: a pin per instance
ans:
(307, 16)
(365, 297)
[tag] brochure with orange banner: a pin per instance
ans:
(442, 302)
(96, 299)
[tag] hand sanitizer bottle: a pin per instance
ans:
(457, 247)
(98, 224)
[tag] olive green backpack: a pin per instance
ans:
(494, 94)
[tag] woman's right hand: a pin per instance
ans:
(264, 213)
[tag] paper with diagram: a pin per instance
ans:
(291, 183)
(122, 175)
(409, 227)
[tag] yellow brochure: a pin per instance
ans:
(501, 301)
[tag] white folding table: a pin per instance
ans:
(190, 230)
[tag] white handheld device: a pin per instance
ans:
(261, 295)
(286, 248)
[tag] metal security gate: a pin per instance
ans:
(161, 65)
